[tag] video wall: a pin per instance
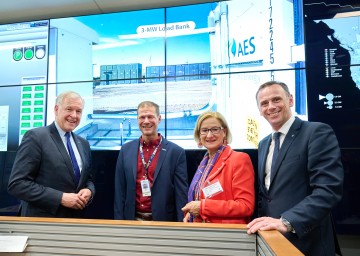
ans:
(187, 59)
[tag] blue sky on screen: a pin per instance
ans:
(121, 43)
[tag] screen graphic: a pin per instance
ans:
(200, 57)
(187, 59)
(333, 76)
(24, 63)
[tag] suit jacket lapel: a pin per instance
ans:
(134, 151)
(61, 147)
(162, 155)
(263, 152)
(220, 164)
(290, 136)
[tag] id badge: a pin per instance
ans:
(145, 188)
(213, 188)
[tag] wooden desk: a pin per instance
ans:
(53, 236)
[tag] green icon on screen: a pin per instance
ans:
(29, 53)
(27, 89)
(17, 54)
(39, 88)
(39, 95)
(26, 125)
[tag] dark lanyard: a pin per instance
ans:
(146, 165)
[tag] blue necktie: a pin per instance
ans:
(73, 158)
(276, 138)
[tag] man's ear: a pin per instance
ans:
(291, 101)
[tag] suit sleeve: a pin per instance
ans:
(181, 184)
(326, 175)
(89, 172)
(22, 182)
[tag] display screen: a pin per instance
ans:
(333, 82)
(187, 59)
(24, 69)
(333, 76)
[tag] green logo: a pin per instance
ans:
(17, 54)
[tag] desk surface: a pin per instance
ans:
(275, 240)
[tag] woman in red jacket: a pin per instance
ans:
(222, 190)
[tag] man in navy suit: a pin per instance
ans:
(305, 183)
(43, 175)
(151, 175)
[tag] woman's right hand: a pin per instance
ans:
(187, 217)
(192, 207)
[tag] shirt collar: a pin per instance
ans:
(152, 142)
(286, 127)
(60, 131)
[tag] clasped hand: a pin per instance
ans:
(76, 201)
(193, 208)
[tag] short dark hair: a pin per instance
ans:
(270, 83)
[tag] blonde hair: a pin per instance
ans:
(149, 104)
(216, 115)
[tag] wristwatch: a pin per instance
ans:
(287, 224)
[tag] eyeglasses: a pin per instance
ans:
(214, 130)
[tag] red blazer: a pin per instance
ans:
(236, 203)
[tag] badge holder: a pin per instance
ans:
(213, 188)
(145, 187)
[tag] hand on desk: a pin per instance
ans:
(266, 223)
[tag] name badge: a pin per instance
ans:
(213, 188)
(145, 187)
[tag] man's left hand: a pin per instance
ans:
(266, 223)
(85, 193)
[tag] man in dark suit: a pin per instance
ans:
(43, 175)
(297, 194)
(151, 175)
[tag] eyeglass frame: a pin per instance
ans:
(210, 130)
